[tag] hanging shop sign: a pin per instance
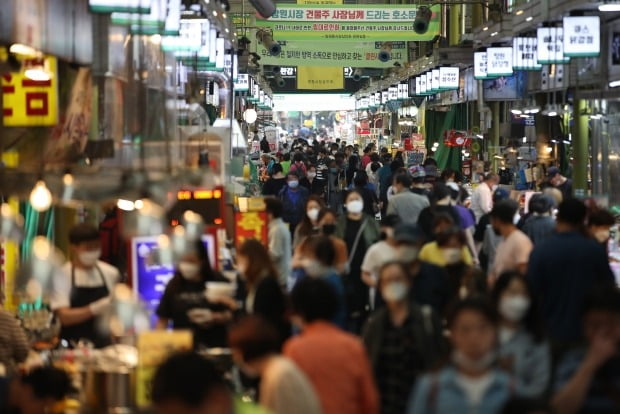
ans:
(151, 23)
(524, 54)
(364, 103)
(480, 65)
(372, 101)
(320, 78)
(353, 54)
(435, 80)
(193, 35)
(551, 45)
(243, 83)
(403, 91)
(173, 18)
(384, 97)
(349, 22)
(499, 61)
(125, 6)
(448, 78)
(27, 102)
(429, 82)
(582, 36)
(393, 93)
(318, 2)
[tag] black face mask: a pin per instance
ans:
(328, 229)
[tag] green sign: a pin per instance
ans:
(349, 22)
(353, 54)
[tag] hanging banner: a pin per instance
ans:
(582, 36)
(524, 54)
(499, 61)
(150, 23)
(320, 78)
(349, 22)
(27, 102)
(551, 45)
(125, 6)
(318, 2)
(250, 225)
(448, 78)
(480, 65)
(353, 54)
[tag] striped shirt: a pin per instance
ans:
(13, 343)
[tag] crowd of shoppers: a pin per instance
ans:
(438, 307)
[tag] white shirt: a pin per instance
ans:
(376, 256)
(285, 389)
(61, 286)
(511, 252)
(474, 387)
(482, 201)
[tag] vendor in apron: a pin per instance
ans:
(82, 290)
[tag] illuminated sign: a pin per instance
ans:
(525, 53)
(28, 102)
(582, 36)
(551, 45)
(448, 78)
(499, 61)
(480, 65)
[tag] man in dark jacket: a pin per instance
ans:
(403, 339)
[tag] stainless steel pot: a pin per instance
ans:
(112, 392)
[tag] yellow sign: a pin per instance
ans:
(153, 348)
(320, 78)
(319, 2)
(28, 102)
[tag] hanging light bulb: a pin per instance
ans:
(40, 197)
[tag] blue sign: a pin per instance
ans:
(149, 279)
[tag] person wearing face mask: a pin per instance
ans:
(317, 259)
(184, 304)
(82, 290)
(403, 339)
(523, 350)
(600, 222)
(298, 166)
(443, 254)
(293, 199)
(470, 383)
(264, 295)
(359, 231)
(442, 204)
(514, 250)
(313, 183)
(383, 251)
(284, 388)
(429, 282)
(327, 227)
(482, 198)
(464, 279)
(310, 222)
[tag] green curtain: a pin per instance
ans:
(35, 224)
(437, 123)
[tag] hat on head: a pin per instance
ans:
(431, 171)
(500, 194)
(552, 172)
(417, 171)
(408, 233)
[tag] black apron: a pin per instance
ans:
(80, 297)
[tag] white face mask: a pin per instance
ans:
(476, 365)
(355, 206)
(514, 308)
(407, 254)
(293, 184)
(189, 270)
(89, 258)
(451, 255)
(602, 235)
(311, 174)
(394, 292)
(313, 214)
